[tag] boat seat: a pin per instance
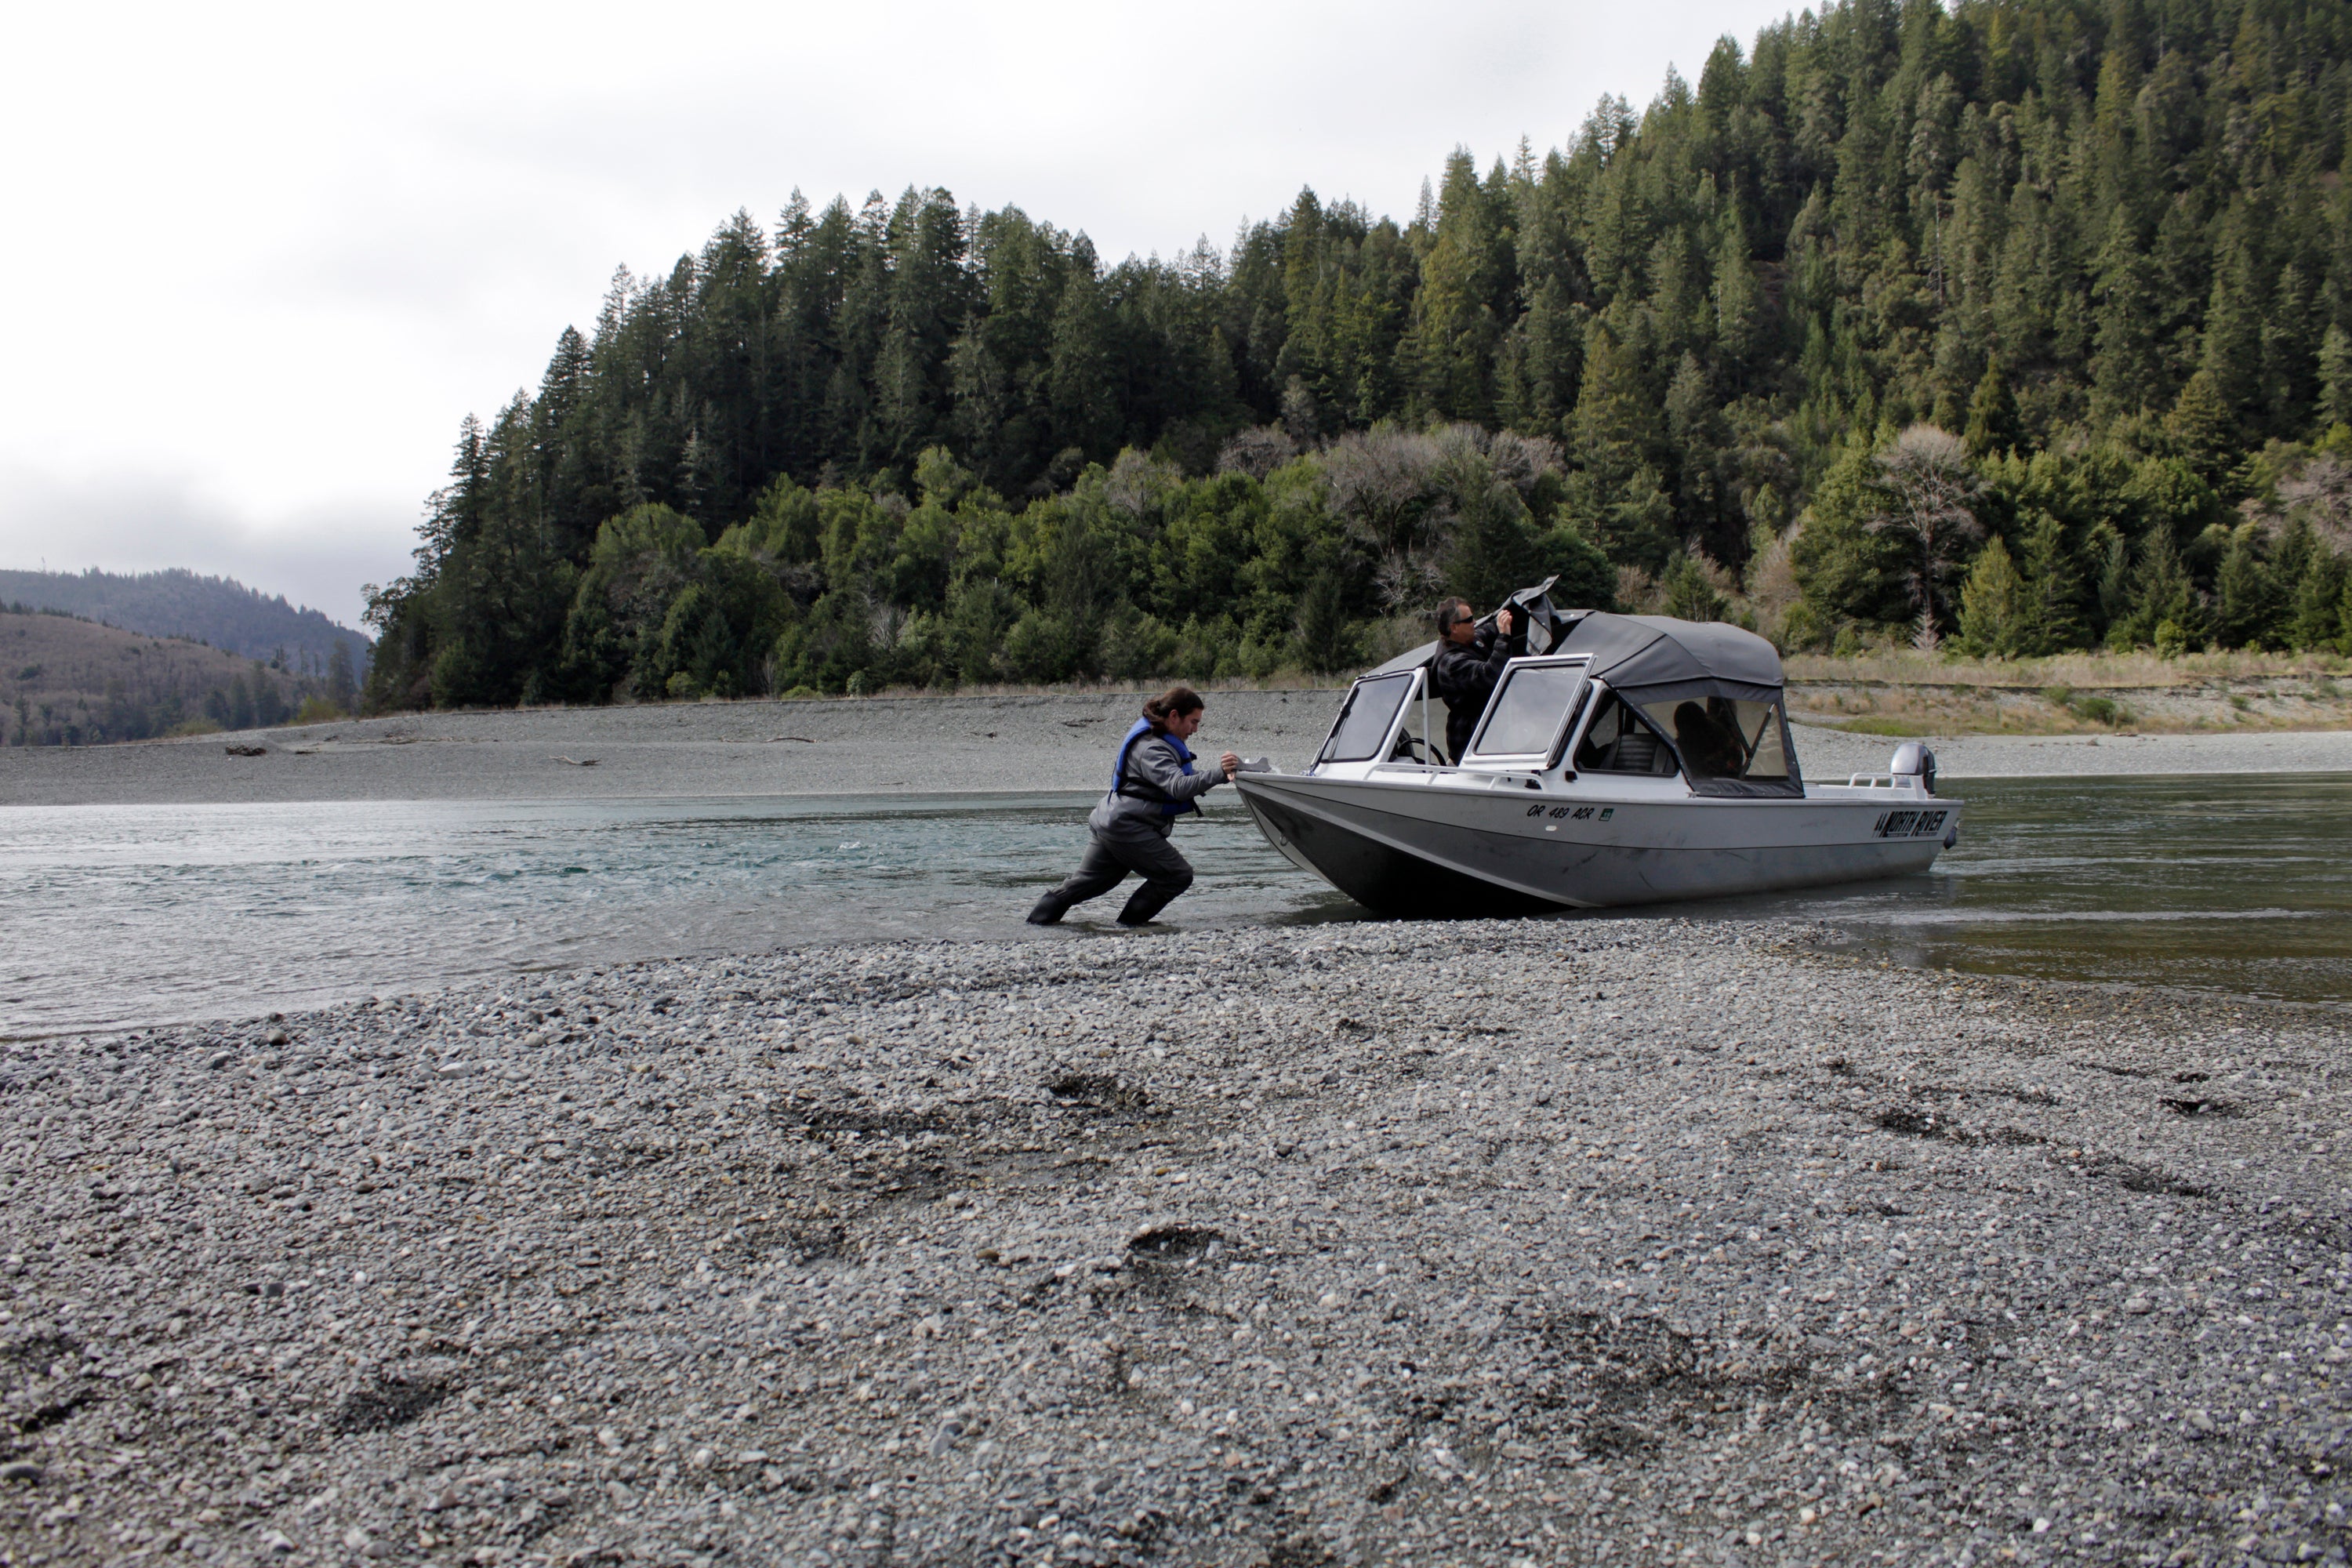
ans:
(1634, 754)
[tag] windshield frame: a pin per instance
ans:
(1387, 738)
(1548, 755)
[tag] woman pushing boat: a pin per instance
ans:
(1151, 784)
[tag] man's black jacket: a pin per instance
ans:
(1464, 677)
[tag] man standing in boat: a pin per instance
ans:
(1152, 783)
(1469, 661)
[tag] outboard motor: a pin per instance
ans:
(1913, 760)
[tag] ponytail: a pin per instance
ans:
(1173, 703)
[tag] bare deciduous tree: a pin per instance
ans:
(1931, 489)
(1258, 451)
(1403, 494)
(2322, 492)
(1137, 483)
(1520, 460)
(1383, 484)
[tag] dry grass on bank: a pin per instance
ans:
(1904, 692)
(2080, 671)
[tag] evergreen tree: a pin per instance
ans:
(1459, 311)
(2051, 618)
(1085, 415)
(2202, 428)
(2231, 358)
(2164, 611)
(1992, 416)
(2245, 607)
(1995, 604)
(2315, 613)
(2336, 375)
(2126, 370)
(1689, 593)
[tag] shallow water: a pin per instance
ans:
(2234, 884)
(124, 915)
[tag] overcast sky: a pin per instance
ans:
(264, 257)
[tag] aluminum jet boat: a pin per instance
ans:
(1625, 759)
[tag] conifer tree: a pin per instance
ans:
(2202, 428)
(1084, 419)
(1458, 313)
(1994, 604)
(2051, 619)
(2232, 351)
(2336, 375)
(2245, 598)
(2314, 616)
(2164, 613)
(2126, 368)
(1993, 429)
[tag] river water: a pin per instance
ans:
(118, 916)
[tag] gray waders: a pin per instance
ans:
(1150, 856)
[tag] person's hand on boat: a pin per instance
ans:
(1231, 764)
(1503, 622)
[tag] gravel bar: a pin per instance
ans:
(1589, 1243)
(883, 745)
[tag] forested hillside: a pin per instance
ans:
(180, 604)
(67, 681)
(2027, 323)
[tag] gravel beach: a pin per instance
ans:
(1602, 1242)
(885, 744)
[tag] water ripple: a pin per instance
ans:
(153, 914)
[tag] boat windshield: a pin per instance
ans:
(1364, 721)
(1531, 709)
(1723, 739)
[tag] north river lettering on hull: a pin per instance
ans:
(1909, 824)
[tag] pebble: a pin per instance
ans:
(20, 1471)
(1766, 1241)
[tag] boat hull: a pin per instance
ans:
(1434, 851)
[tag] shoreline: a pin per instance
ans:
(1431, 1243)
(929, 745)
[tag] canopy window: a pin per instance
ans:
(1729, 745)
(1620, 740)
(1530, 712)
(1364, 721)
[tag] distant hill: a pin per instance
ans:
(179, 604)
(69, 681)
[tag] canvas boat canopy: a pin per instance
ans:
(1653, 658)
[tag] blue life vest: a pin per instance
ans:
(1144, 791)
